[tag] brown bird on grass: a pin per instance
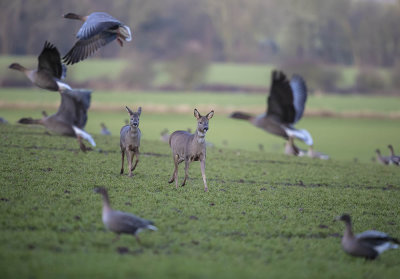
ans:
(384, 160)
(285, 106)
(394, 159)
(368, 244)
(71, 117)
(122, 222)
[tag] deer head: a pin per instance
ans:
(202, 121)
(134, 117)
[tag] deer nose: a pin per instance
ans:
(205, 129)
(135, 124)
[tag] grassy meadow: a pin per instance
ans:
(265, 213)
(343, 138)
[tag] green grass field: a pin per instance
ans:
(341, 138)
(265, 214)
(257, 75)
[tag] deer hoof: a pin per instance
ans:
(171, 180)
(122, 171)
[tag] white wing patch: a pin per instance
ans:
(84, 135)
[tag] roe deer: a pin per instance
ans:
(130, 140)
(190, 147)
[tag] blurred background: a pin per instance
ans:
(219, 55)
(341, 46)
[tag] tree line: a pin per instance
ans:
(339, 32)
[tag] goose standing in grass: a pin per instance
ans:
(394, 159)
(122, 222)
(384, 160)
(104, 130)
(50, 71)
(71, 117)
(369, 244)
(285, 106)
(97, 30)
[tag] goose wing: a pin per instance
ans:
(49, 61)
(374, 238)
(74, 106)
(280, 99)
(299, 91)
(127, 222)
(97, 23)
(86, 47)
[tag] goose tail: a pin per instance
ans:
(151, 227)
(84, 135)
(302, 135)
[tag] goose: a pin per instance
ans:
(285, 106)
(164, 135)
(122, 222)
(97, 30)
(394, 159)
(50, 71)
(368, 244)
(384, 160)
(71, 117)
(104, 130)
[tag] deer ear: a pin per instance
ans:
(210, 114)
(196, 114)
(129, 110)
(139, 110)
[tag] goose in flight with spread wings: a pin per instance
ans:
(285, 107)
(50, 71)
(97, 30)
(71, 117)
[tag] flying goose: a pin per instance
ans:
(384, 160)
(71, 117)
(49, 73)
(394, 159)
(122, 222)
(368, 244)
(285, 106)
(97, 30)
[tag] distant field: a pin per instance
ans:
(185, 101)
(257, 75)
(266, 215)
(341, 138)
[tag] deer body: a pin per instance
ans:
(130, 140)
(187, 147)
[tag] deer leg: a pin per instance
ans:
(122, 157)
(137, 160)
(175, 169)
(186, 172)
(130, 157)
(203, 173)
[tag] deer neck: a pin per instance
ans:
(134, 130)
(200, 137)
